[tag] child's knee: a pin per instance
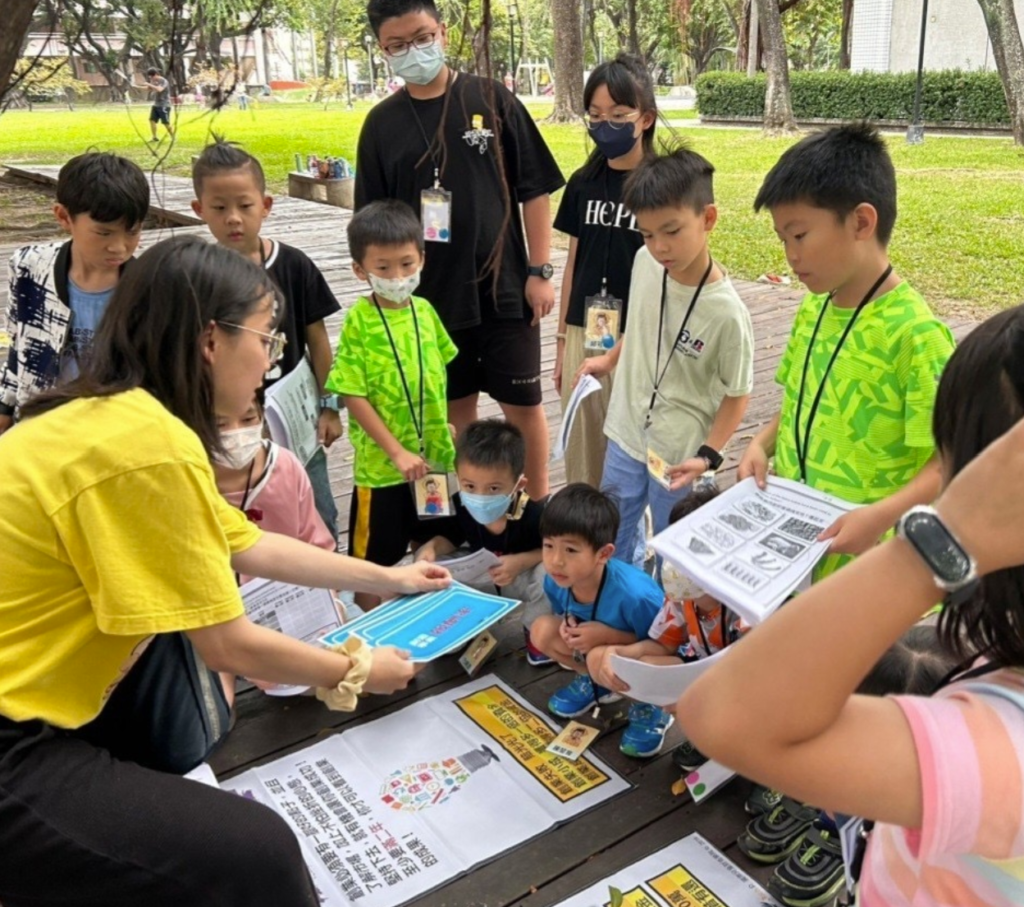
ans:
(544, 632)
(594, 657)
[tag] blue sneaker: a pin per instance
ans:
(579, 697)
(645, 734)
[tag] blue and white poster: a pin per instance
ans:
(428, 625)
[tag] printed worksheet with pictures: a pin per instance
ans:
(751, 548)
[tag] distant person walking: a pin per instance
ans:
(160, 112)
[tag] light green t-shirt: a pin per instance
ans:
(872, 432)
(714, 359)
(365, 367)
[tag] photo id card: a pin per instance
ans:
(604, 314)
(432, 497)
(477, 651)
(436, 215)
(658, 468)
(573, 741)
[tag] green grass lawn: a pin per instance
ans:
(959, 237)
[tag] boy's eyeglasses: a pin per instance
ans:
(616, 120)
(420, 43)
(275, 343)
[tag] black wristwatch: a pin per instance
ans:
(545, 271)
(955, 572)
(711, 456)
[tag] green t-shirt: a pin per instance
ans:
(872, 432)
(365, 367)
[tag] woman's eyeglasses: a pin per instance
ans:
(615, 120)
(275, 342)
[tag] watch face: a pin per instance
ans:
(545, 271)
(943, 553)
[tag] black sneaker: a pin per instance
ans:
(775, 835)
(687, 758)
(813, 875)
(762, 800)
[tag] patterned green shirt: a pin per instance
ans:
(365, 367)
(872, 432)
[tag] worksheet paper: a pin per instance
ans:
(292, 411)
(750, 548)
(472, 569)
(583, 389)
(689, 872)
(660, 684)
(391, 809)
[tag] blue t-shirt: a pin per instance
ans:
(629, 600)
(86, 311)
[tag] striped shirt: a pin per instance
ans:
(969, 851)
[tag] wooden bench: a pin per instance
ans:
(337, 192)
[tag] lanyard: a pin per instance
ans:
(658, 378)
(432, 143)
(803, 444)
(723, 623)
(418, 425)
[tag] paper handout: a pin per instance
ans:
(472, 569)
(660, 684)
(428, 625)
(584, 388)
(750, 548)
(292, 410)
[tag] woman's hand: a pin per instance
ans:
(421, 576)
(390, 670)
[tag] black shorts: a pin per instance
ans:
(158, 114)
(382, 522)
(500, 357)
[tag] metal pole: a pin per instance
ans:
(915, 134)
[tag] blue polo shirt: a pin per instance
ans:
(629, 600)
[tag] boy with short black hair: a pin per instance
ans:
(59, 291)
(231, 198)
(160, 112)
(597, 601)
(494, 512)
(683, 375)
(865, 353)
(390, 370)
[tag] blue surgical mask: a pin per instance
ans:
(486, 508)
(612, 142)
(420, 65)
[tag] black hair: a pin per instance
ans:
(221, 156)
(388, 222)
(679, 178)
(110, 189)
(151, 333)
(630, 84)
(696, 499)
(914, 665)
(152, 71)
(490, 444)
(379, 11)
(583, 511)
(836, 169)
(980, 397)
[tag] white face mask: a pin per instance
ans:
(395, 289)
(240, 446)
(678, 586)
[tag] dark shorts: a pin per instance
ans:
(499, 357)
(382, 522)
(158, 114)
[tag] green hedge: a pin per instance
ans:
(948, 96)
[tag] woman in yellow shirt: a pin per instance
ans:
(114, 535)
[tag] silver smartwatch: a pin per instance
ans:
(955, 572)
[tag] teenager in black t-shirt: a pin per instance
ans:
(489, 282)
(621, 113)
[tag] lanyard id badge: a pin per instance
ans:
(436, 214)
(603, 324)
(658, 468)
(432, 496)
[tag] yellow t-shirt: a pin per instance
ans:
(112, 531)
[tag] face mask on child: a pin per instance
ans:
(678, 586)
(420, 65)
(612, 142)
(486, 508)
(240, 446)
(395, 289)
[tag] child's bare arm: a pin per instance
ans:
(319, 346)
(437, 547)
(411, 465)
(585, 636)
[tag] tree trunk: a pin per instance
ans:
(565, 19)
(634, 36)
(1008, 51)
(778, 110)
(17, 18)
(844, 35)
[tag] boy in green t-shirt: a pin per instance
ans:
(390, 369)
(863, 361)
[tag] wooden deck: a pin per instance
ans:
(610, 837)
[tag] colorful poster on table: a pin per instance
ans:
(689, 873)
(389, 810)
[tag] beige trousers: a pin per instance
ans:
(584, 454)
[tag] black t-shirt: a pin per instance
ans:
(392, 144)
(606, 237)
(520, 535)
(308, 299)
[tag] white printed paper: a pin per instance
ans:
(660, 684)
(690, 871)
(751, 548)
(203, 774)
(472, 569)
(583, 389)
(293, 410)
(391, 809)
